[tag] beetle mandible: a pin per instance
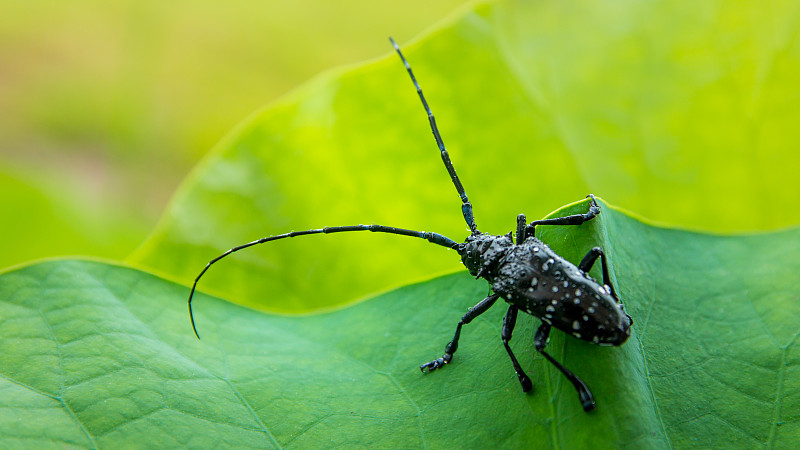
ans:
(527, 274)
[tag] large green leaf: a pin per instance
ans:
(96, 355)
(684, 115)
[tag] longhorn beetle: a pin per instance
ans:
(527, 274)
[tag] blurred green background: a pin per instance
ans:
(105, 106)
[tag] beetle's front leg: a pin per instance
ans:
(451, 348)
(575, 219)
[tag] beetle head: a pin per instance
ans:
(481, 252)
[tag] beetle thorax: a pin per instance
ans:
(481, 253)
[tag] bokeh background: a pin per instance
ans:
(105, 106)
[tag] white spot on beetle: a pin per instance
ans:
(576, 325)
(530, 289)
(595, 339)
(534, 281)
(549, 316)
(555, 288)
(554, 302)
(585, 318)
(578, 292)
(550, 308)
(566, 283)
(577, 335)
(591, 310)
(546, 265)
(577, 301)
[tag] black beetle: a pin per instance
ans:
(527, 274)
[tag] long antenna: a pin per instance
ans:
(435, 238)
(466, 206)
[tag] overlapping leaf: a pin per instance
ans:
(684, 115)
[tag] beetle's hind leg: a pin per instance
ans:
(508, 328)
(540, 341)
(451, 347)
(586, 265)
(588, 261)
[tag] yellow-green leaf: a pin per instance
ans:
(684, 115)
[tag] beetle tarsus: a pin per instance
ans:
(587, 401)
(526, 383)
(436, 363)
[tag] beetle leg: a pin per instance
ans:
(586, 265)
(451, 348)
(521, 234)
(575, 219)
(508, 327)
(589, 260)
(540, 341)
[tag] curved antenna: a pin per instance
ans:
(434, 238)
(466, 206)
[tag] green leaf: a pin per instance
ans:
(97, 355)
(685, 115)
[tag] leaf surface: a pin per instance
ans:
(98, 355)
